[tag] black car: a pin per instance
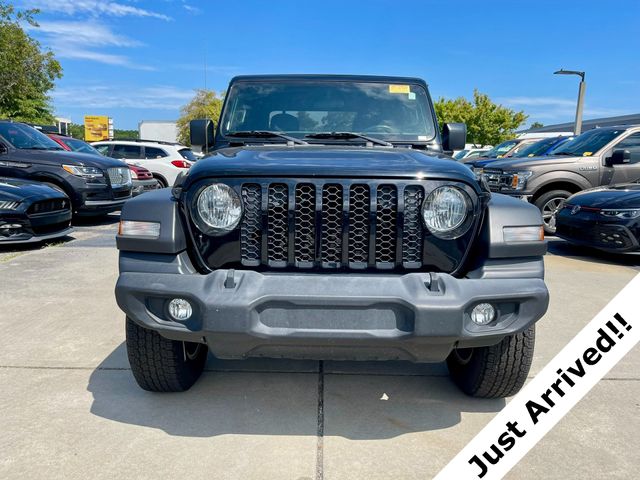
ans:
(603, 218)
(32, 212)
(95, 184)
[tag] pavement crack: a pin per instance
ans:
(320, 431)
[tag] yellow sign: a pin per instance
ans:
(96, 128)
(399, 89)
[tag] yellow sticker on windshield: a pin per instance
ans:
(530, 155)
(587, 154)
(399, 89)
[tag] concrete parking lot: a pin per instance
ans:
(70, 408)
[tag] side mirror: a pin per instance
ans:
(201, 133)
(3, 149)
(454, 136)
(619, 157)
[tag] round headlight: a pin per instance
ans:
(218, 209)
(445, 212)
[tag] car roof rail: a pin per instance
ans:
(161, 142)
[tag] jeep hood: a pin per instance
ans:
(328, 162)
(625, 195)
(530, 162)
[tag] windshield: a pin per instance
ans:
(299, 108)
(187, 154)
(79, 146)
(25, 137)
(588, 143)
(535, 149)
(500, 149)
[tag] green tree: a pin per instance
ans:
(487, 123)
(27, 72)
(205, 104)
(537, 125)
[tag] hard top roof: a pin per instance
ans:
(328, 78)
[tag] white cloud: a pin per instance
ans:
(159, 97)
(75, 53)
(191, 9)
(93, 7)
(85, 33)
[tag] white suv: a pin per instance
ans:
(165, 160)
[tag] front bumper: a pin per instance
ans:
(587, 229)
(34, 228)
(141, 186)
(417, 316)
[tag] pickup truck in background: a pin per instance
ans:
(598, 157)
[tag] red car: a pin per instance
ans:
(142, 178)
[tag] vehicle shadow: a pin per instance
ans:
(370, 400)
(558, 246)
(96, 221)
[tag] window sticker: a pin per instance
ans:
(587, 154)
(411, 95)
(399, 89)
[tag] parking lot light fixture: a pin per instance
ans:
(577, 129)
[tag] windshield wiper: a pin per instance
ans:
(567, 153)
(347, 136)
(266, 134)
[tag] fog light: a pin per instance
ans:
(483, 314)
(180, 309)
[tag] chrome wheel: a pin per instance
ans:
(549, 210)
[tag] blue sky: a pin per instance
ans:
(137, 60)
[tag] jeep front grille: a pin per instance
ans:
(332, 225)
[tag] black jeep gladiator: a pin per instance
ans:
(329, 224)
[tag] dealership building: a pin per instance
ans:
(567, 128)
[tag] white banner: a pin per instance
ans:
(553, 392)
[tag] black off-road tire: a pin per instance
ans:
(162, 365)
(497, 371)
(546, 203)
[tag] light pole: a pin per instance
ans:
(577, 129)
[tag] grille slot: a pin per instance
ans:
(332, 224)
(305, 225)
(359, 226)
(278, 233)
(331, 241)
(386, 225)
(412, 227)
(251, 227)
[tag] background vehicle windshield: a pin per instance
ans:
(588, 143)
(80, 146)
(188, 154)
(299, 108)
(460, 154)
(500, 149)
(25, 137)
(538, 148)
